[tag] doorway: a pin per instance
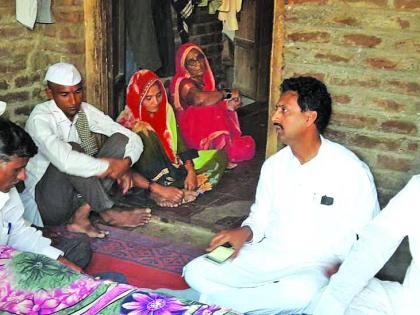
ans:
(106, 51)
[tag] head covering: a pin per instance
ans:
(64, 74)
(182, 73)
(137, 89)
(2, 107)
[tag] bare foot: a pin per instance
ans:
(161, 202)
(80, 223)
(87, 229)
(127, 217)
(231, 166)
(189, 195)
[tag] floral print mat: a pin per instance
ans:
(35, 284)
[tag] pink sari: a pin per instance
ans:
(210, 126)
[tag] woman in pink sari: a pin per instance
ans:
(207, 118)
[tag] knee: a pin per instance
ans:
(193, 271)
(118, 138)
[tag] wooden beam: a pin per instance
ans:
(276, 74)
(97, 82)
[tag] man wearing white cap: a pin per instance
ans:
(71, 176)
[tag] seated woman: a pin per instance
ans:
(206, 116)
(170, 169)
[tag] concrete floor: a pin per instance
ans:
(224, 207)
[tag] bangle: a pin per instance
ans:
(227, 94)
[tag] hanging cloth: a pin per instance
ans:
(184, 10)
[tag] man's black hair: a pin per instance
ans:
(312, 96)
(15, 142)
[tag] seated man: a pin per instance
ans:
(353, 290)
(71, 176)
(16, 147)
(312, 198)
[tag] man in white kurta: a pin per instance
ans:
(313, 196)
(70, 164)
(16, 147)
(353, 290)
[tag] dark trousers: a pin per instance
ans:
(58, 195)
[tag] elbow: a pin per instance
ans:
(198, 99)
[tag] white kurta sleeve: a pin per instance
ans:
(359, 204)
(59, 152)
(258, 218)
(103, 124)
(22, 237)
(377, 243)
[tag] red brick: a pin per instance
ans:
(69, 17)
(389, 105)
(342, 99)
(400, 126)
(317, 37)
(14, 97)
(364, 82)
(407, 4)
(331, 57)
(403, 23)
(351, 21)
(381, 63)
(362, 40)
(412, 146)
(373, 142)
(394, 163)
(354, 120)
(27, 80)
(409, 87)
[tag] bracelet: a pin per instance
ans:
(227, 94)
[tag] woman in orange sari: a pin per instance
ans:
(170, 168)
(207, 117)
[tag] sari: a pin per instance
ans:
(209, 126)
(164, 150)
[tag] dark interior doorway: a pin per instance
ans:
(252, 47)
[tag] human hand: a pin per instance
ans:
(235, 101)
(190, 182)
(69, 264)
(125, 182)
(235, 237)
(116, 167)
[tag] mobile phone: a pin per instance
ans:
(220, 254)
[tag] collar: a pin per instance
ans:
(59, 115)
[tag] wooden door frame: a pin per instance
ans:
(276, 73)
(98, 65)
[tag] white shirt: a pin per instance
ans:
(380, 239)
(292, 215)
(14, 232)
(51, 131)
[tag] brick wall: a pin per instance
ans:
(25, 54)
(367, 52)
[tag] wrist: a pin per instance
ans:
(150, 186)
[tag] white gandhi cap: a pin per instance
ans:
(63, 74)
